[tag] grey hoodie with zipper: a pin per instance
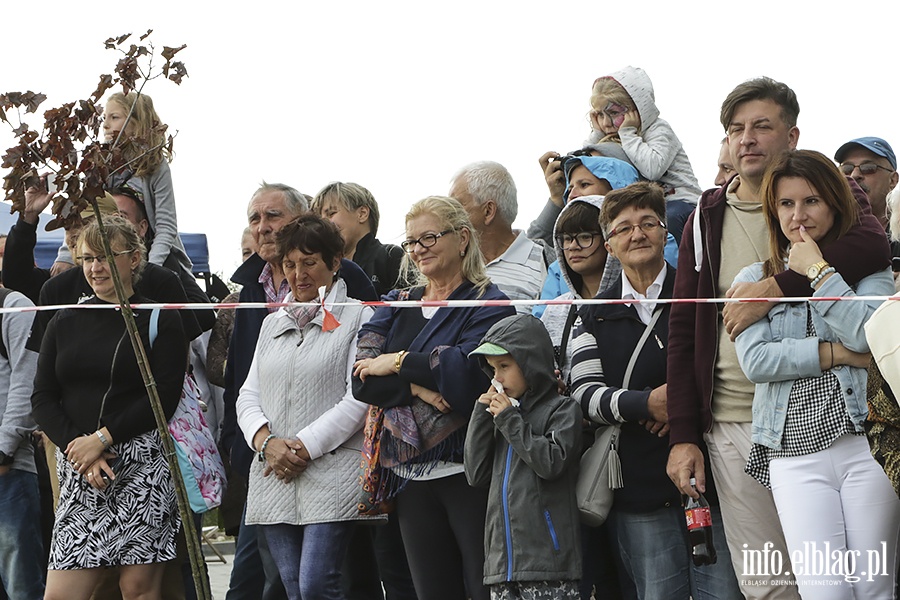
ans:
(528, 457)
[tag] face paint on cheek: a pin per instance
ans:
(617, 113)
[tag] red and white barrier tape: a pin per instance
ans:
(456, 303)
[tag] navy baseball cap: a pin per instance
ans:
(872, 144)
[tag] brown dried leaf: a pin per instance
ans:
(13, 155)
(33, 100)
(178, 71)
(11, 99)
(168, 52)
(146, 35)
(128, 72)
(106, 82)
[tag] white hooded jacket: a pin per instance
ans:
(655, 151)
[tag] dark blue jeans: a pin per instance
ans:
(21, 545)
(656, 559)
(309, 558)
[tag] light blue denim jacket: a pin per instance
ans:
(775, 351)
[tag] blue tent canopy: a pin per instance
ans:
(48, 242)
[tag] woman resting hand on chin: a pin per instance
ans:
(808, 361)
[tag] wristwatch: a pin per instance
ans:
(6, 459)
(813, 271)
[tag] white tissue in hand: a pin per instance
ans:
(499, 388)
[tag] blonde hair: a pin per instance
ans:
(117, 230)
(146, 145)
(607, 89)
(450, 214)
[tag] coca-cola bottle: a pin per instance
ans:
(699, 526)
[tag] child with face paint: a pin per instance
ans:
(623, 109)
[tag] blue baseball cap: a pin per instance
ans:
(872, 144)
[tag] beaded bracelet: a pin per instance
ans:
(261, 455)
(821, 276)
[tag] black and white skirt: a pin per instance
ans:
(134, 521)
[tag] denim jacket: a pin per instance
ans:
(775, 351)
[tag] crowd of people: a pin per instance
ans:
(396, 452)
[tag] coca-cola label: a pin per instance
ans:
(697, 518)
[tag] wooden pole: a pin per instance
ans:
(195, 552)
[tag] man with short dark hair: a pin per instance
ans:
(516, 264)
(709, 397)
(131, 206)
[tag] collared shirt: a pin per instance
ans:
(267, 280)
(644, 309)
(520, 271)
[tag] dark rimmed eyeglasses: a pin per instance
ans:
(647, 227)
(89, 260)
(866, 168)
(583, 240)
(426, 241)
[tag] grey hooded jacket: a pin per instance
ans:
(529, 458)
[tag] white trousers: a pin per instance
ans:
(751, 520)
(841, 520)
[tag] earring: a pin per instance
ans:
(462, 252)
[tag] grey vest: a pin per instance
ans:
(302, 374)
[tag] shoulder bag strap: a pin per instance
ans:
(570, 321)
(640, 345)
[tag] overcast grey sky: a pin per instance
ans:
(397, 96)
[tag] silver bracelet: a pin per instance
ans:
(103, 439)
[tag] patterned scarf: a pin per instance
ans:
(302, 314)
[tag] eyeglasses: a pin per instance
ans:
(426, 241)
(89, 260)
(866, 168)
(647, 227)
(583, 240)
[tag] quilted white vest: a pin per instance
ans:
(301, 375)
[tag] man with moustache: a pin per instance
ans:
(872, 164)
